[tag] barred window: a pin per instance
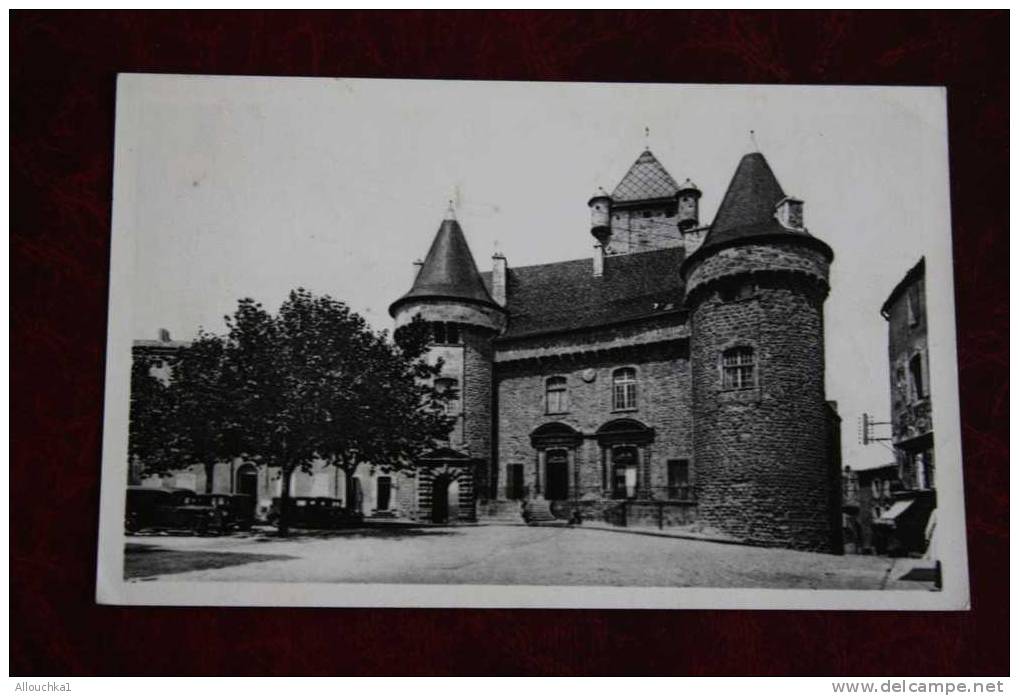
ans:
(624, 389)
(556, 395)
(446, 385)
(739, 368)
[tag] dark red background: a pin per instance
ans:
(63, 69)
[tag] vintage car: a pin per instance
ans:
(239, 509)
(153, 508)
(173, 508)
(315, 513)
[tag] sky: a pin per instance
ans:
(230, 187)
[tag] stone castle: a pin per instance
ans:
(674, 379)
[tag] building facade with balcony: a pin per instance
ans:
(908, 521)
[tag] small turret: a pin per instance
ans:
(601, 215)
(687, 204)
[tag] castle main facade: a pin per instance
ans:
(675, 378)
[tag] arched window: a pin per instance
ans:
(556, 395)
(449, 386)
(739, 369)
(624, 389)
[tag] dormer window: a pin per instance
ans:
(789, 213)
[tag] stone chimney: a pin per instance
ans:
(599, 260)
(499, 278)
(164, 336)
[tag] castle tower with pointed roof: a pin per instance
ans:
(646, 211)
(450, 296)
(679, 381)
(755, 290)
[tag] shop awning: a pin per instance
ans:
(891, 514)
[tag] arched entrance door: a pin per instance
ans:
(557, 478)
(247, 483)
(440, 499)
(625, 464)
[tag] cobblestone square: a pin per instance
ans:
(514, 555)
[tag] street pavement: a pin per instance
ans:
(502, 555)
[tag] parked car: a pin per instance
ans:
(239, 509)
(153, 508)
(316, 513)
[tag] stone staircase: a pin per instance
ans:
(500, 512)
(539, 511)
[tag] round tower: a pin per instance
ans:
(601, 216)
(687, 204)
(765, 469)
(449, 294)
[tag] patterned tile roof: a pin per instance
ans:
(646, 179)
(567, 295)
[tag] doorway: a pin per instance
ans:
(382, 493)
(515, 481)
(557, 480)
(440, 499)
(247, 483)
(624, 472)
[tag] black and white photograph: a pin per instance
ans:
(509, 344)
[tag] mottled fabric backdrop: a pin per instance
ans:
(63, 71)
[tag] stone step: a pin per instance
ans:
(538, 511)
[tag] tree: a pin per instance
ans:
(202, 407)
(315, 383)
(390, 413)
(149, 420)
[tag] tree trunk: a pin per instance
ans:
(210, 471)
(350, 489)
(283, 523)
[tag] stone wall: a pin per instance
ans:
(322, 481)
(789, 257)
(762, 456)
(633, 233)
(663, 403)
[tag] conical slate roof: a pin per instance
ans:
(449, 271)
(646, 179)
(748, 208)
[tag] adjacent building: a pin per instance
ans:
(907, 521)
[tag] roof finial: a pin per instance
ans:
(753, 141)
(647, 137)
(450, 211)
